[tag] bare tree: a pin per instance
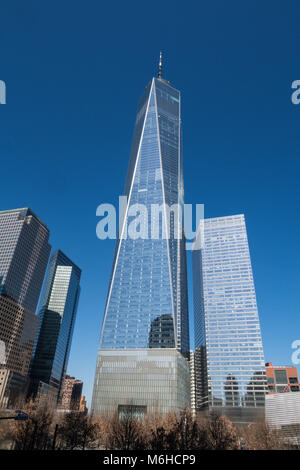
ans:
(76, 430)
(218, 433)
(90, 432)
(260, 436)
(6, 433)
(125, 433)
(35, 433)
(156, 432)
(187, 431)
(171, 432)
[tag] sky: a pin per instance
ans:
(74, 72)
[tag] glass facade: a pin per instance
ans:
(148, 380)
(57, 314)
(229, 358)
(146, 305)
(24, 253)
(18, 328)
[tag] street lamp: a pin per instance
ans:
(20, 416)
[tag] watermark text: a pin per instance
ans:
(2, 92)
(151, 221)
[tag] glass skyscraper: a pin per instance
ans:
(144, 341)
(57, 313)
(24, 253)
(229, 358)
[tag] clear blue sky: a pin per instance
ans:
(74, 73)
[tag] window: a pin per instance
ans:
(281, 376)
(131, 411)
(293, 380)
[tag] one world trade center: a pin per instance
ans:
(142, 362)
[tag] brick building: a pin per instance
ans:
(282, 378)
(71, 394)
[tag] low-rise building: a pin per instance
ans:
(282, 378)
(283, 413)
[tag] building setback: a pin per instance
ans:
(24, 253)
(57, 312)
(229, 359)
(144, 342)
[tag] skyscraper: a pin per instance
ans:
(57, 312)
(24, 253)
(144, 340)
(229, 358)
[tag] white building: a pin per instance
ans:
(229, 359)
(283, 412)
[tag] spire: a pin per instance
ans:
(160, 66)
(160, 70)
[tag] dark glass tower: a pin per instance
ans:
(145, 335)
(57, 314)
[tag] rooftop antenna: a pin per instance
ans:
(160, 66)
(160, 70)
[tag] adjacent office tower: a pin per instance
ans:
(144, 340)
(24, 253)
(57, 312)
(229, 358)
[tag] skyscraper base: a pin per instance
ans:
(141, 380)
(238, 415)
